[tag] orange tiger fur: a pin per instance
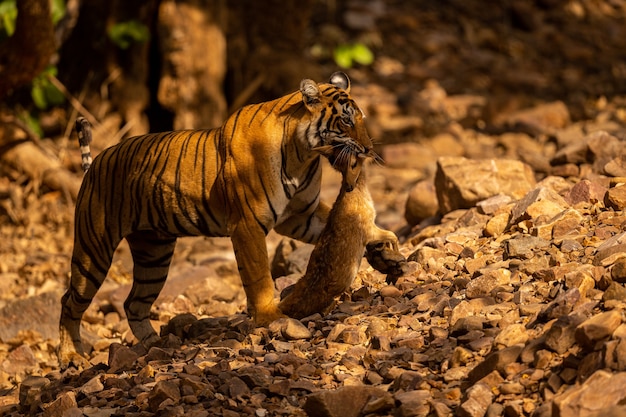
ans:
(258, 171)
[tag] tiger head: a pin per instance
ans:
(338, 129)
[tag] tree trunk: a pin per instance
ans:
(25, 54)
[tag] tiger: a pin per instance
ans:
(259, 171)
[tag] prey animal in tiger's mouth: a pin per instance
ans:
(343, 156)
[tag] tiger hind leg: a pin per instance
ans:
(87, 275)
(152, 254)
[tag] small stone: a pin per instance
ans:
(20, 360)
(598, 327)
(586, 191)
(493, 204)
(615, 291)
(421, 202)
(618, 271)
(347, 401)
(121, 357)
(92, 386)
(30, 393)
(495, 361)
(294, 330)
(596, 396)
(62, 405)
(163, 391)
(561, 335)
(497, 224)
(512, 334)
(413, 403)
(479, 398)
(616, 198)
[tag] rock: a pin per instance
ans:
(20, 360)
(294, 330)
(597, 328)
(493, 204)
(479, 398)
(497, 224)
(121, 357)
(524, 246)
(618, 272)
(495, 361)
(544, 118)
(597, 396)
(413, 403)
(616, 197)
(347, 401)
(510, 335)
(163, 391)
(483, 285)
(616, 167)
(561, 335)
(62, 406)
(586, 191)
(20, 314)
(541, 201)
(461, 183)
(421, 202)
(30, 393)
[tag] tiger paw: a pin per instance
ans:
(265, 317)
(73, 360)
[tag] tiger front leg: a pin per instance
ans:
(253, 264)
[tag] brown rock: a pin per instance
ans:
(618, 272)
(413, 403)
(597, 396)
(495, 361)
(586, 191)
(163, 391)
(616, 167)
(347, 401)
(62, 405)
(479, 397)
(421, 202)
(543, 118)
(616, 197)
(541, 201)
(483, 285)
(598, 327)
(121, 357)
(30, 393)
(20, 360)
(461, 183)
(492, 204)
(561, 335)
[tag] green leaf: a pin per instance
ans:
(8, 15)
(362, 54)
(343, 56)
(123, 34)
(58, 10)
(43, 92)
(32, 123)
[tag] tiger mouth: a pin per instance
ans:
(342, 152)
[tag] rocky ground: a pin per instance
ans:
(510, 209)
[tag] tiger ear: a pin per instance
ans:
(340, 80)
(310, 92)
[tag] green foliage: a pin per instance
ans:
(31, 122)
(123, 34)
(43, 92)
(346, 55)
(8, 15)
(57, 10)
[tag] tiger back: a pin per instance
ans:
(257, 172)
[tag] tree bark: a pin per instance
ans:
(25, 54)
